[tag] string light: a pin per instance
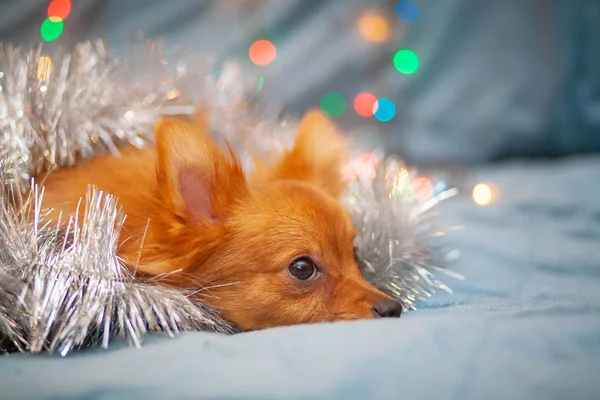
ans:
(51, 30)
(59, 9)
(364, 103)
(129, 115)
(407, 10)
(52, 27)
(384, 110)
(482, 194)
(406, 62)
(373, 27)
(333, 104)
(262, 52)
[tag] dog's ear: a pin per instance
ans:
(316, 157)
(195, 177)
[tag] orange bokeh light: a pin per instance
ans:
(364, 104)
(262, 52)
(59, 9)
(373, 27)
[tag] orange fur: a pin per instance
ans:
(221, 232)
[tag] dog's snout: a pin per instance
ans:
(387, 309)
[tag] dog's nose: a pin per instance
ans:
(387, 309)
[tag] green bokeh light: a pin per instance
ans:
(51, 30)
(406, 62)
(333, 104)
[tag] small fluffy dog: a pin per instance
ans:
(276, 249)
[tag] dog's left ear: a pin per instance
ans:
(316, 157)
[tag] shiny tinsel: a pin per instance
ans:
(55, 110)
(396, 228)
(64, 290)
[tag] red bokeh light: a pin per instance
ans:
(59, 9)
(262, 52)
(364, 103)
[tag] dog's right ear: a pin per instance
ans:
(195, 177)
(316, 157)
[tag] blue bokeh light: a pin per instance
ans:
(407, 10)
(384, 110)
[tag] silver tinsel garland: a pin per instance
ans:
(65, 290)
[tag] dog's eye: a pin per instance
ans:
(303, 269)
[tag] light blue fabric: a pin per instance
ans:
(525, 324)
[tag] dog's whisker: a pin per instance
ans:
(212, 287)
(137, 263)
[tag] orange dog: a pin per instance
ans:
(275, 251)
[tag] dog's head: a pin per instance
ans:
(274, 251)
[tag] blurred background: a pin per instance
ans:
(452, 81)
(498, 98)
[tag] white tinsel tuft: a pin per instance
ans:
(66, 290)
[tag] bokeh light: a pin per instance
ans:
(59, 10)
(51, 30)
(407, 10)
(373, 27)
(44, 68)
(129, 115)
(364, 103)
(333, 104)
(482, 194)
(361, 167)
(384, 110)
(422, 187)
(406, 62)
(262, 52)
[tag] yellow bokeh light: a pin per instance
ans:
(44, 68)
(373, 27)
(482, 194)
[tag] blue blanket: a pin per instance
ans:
(525, 324)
